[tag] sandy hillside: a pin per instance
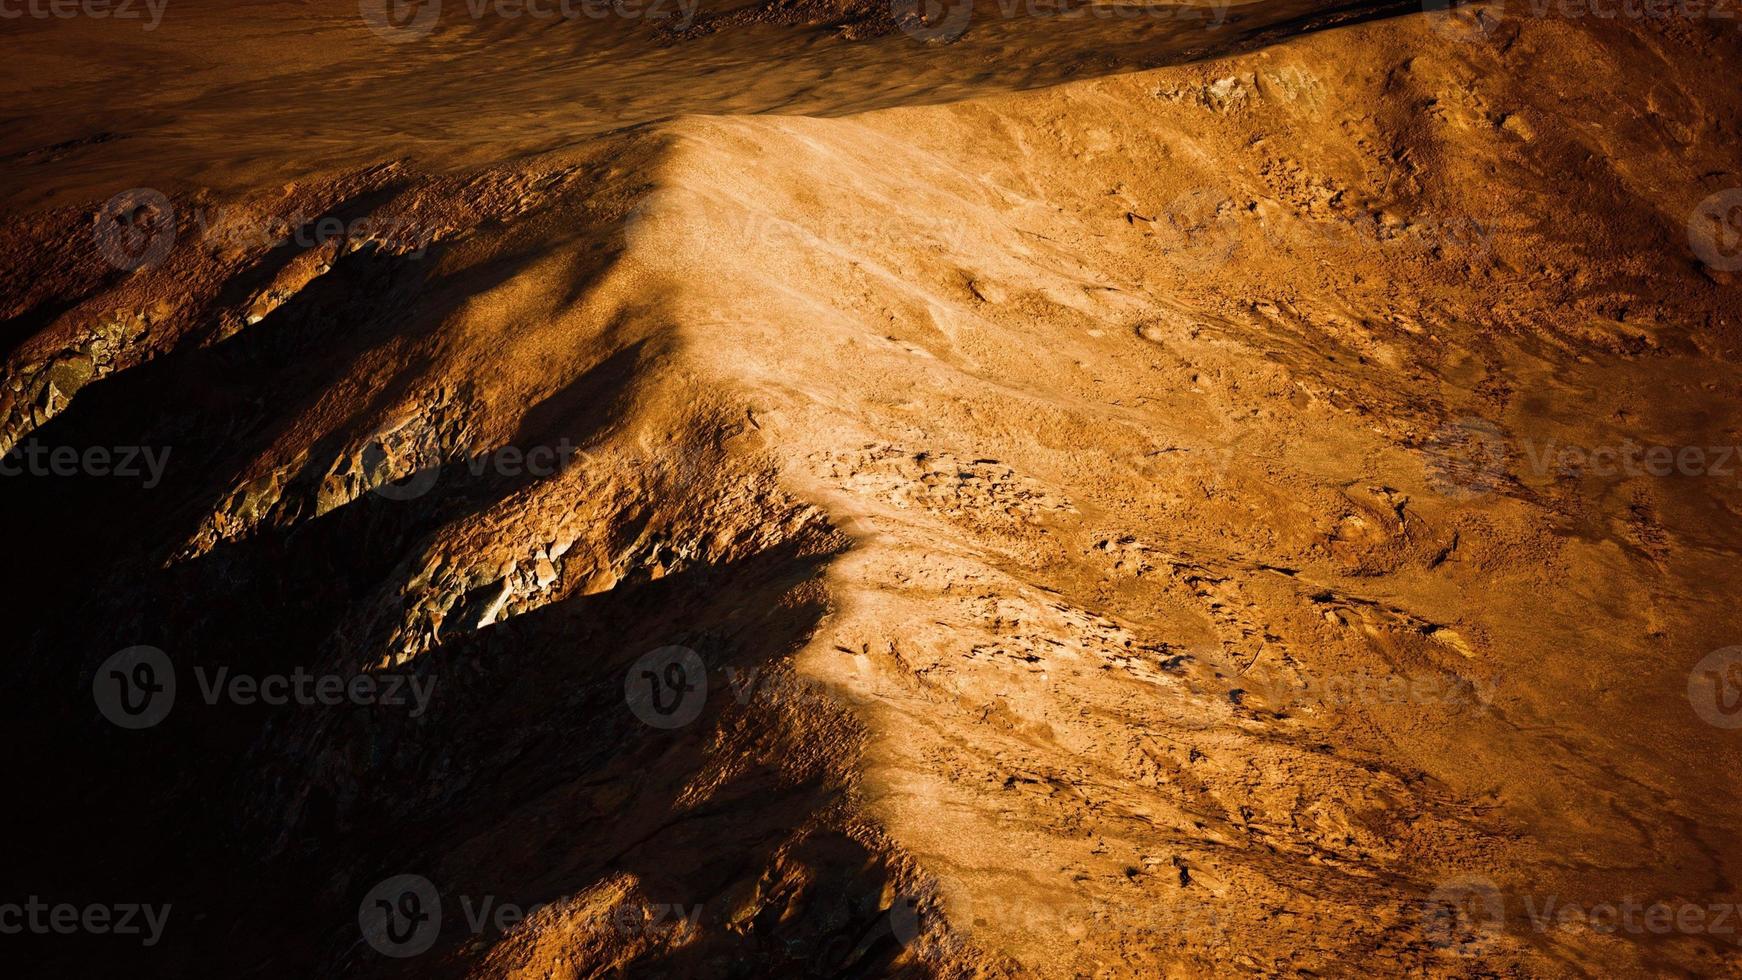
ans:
(1127, 501)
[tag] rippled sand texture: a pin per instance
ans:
(1112, 472)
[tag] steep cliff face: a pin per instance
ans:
(1198, 520)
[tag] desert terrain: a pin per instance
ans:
(835, 489)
